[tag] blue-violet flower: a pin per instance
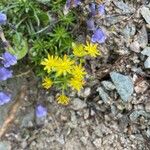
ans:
(90, 24)
(41, 111)
(3, 18)
(5, 73)
(4, 98)
(101, 9)
(75, 3)
(8, 59)
(98, 36)
(92, 7)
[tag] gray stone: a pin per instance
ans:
(27, 120)
(78, 104)
(148, 132)
(98, 143)
(135, 114)
(142, 37)
(85, 92)
(147, 107)
(129, 30)
(135, 47)
(145, 12)
(124, 85)
(105, 97)
(113, 19)
(123, 6)
(147, 63)
(5, 145)
(108, 85)
(146, 51)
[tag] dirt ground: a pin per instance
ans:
(101, 116)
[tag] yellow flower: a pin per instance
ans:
(91, 49)
(50, 63)
(76, 83)
(65, 66)
(78, 50)
(63, 99)
(78, 71)
(47, 83)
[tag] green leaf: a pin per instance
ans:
(20, 46)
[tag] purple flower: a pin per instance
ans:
(75, 3)
(93, 9)
(98, 36)
(5, 73)
(3, 18)
(101, 9)
(41, 111)
(9, 59)
(4, 98)
(90, 24)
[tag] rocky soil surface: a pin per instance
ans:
(112, 112)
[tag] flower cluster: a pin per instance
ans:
(98, 34)
(64, 72)
(96, 10)
(7, 60)
(68, 71)
(5, 73)
(81, 50)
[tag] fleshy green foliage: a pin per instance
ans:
(25, 15)
(20, 46)
(43, 24)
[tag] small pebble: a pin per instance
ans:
(147, 63)
(146, 51)
(108, 85)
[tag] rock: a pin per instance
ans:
(145, 12)
(147, 107)
(85, 92)
(123, 6)
(105, 97)
(60, 139)
(135, 47)
(148, 132)
(147, 63)
(108, 85)
(73, 144)
(5, 145)
(129, 31)
(78, 104)
(84, 140)
(124, 85)
(142, 37)
(86, 114)
(113, 110)
(141, 86)
(98, 142)
(135, 114)
(50, 98)
(113, 19)
(28, 119)
(146, 51)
